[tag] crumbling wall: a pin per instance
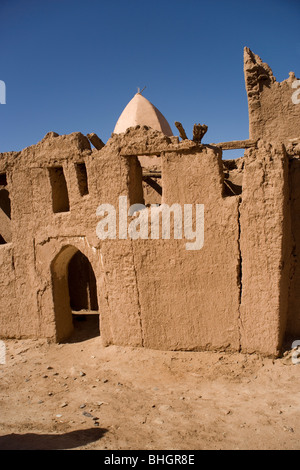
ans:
(265, 249)
(273, 116)
(159, 294)
(9, 322)
(119, 310)
(108, 177)
(232, 293)
(33, 224)
(190, 299)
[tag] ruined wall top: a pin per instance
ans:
(274, 114)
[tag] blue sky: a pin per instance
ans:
(73, 65)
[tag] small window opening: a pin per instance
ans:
(82, 179)
(60, 197)
(135, 181)
(233, 177)
(152, 179)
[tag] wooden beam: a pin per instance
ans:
(151, 174)
(153, 184)
(236, 144)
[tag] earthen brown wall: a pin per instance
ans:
(9, 322)
(190, 299)
(265, 249)
(233, 293)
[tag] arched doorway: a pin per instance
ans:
(75, 296)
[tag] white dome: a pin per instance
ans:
(140, 112)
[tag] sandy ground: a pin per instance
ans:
(82, 395)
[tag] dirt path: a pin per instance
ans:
(85, 396)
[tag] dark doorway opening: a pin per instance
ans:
(5, 215)
(83, 297)
(82, 284)
(75, 296)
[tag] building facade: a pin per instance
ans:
(240, 291)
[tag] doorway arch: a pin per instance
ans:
(74, 294)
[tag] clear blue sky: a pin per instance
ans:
(73, 65)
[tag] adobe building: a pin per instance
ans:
(240, 291)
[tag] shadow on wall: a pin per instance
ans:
(32, 441)
(5, 212)
(293, 324)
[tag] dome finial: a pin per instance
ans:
(139, 91)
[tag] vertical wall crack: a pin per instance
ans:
(138, 297)
(239, 273)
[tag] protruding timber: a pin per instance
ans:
(96, 141)
(181, 130)
(198, 132)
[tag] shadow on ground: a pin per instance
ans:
(32, 441)
(85, 327)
